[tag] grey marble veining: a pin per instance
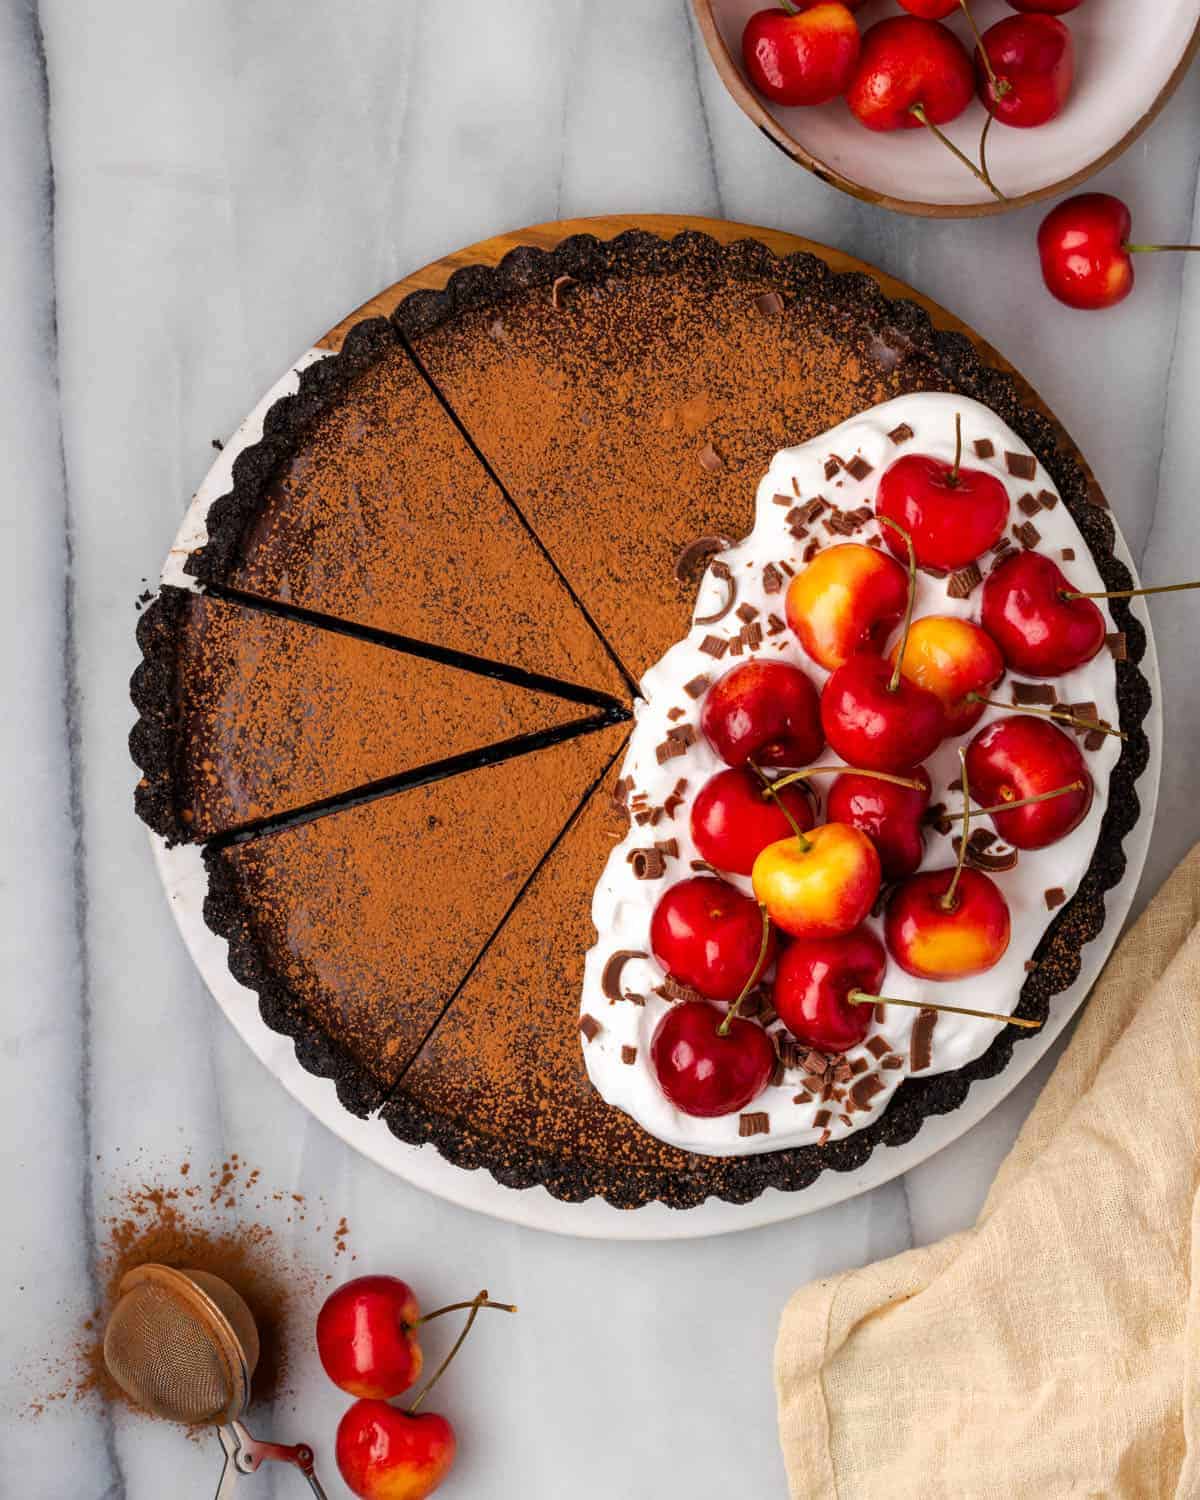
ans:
(192, 194)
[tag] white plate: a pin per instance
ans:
(184, 879)
(1126, 57)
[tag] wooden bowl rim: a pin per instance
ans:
(753, 107)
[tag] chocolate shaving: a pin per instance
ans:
(1067, 554)
(822, 1118)
(858, 467)
(590, 1027)
(1047, 499)
(963, 583)
(752, 636)
(704, 866)
(710, 459)
(811, 550)
(610, 978)
(693, 559)
(668, 749)
(769, 304)
(772, 579)
(832, 464)
(1021, 465)
(984, 447)
(746, 613)
(674, 714)
(629, 1055)
(724, 573)
(1025, 693)
(920, 1048)
(981, 839)
(561, 283)
(1028, 505)
(683, 734)
(1055, 896)
(697, 687)
(668, 847)
(1088, 712)
(648, 864)
(877, 1047)
(891, 1061)
(859, 1065)
(1027, 534)
(781, 499)
(901, 434)
(865, 1088)
(757, 1123)
(1094, 739)
(774, 625)
(714, 645)
(803, 1097)
(997, 863)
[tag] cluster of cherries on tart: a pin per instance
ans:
(815, 881)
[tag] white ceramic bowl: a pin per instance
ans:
(1129, 58)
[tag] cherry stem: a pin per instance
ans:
(755, 974)
(859, 997)
(950, 899)
(1059, 715)
(1059, 791)
(792, 10)
(474, 1305)
(1155, 249)
(1000, 86)
(917, 786)
(459, 1307)
(957, 447)
(918, 112)
(1159, 588)
(894, 684)
(769, 791)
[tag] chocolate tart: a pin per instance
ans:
(601, 406)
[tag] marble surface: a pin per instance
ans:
(192, 193)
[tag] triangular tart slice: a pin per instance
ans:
(246, 716)
(357, 928)
(365, 502)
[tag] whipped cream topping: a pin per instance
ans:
(617, 1046)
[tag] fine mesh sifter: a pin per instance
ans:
(183, 1344)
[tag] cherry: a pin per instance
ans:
(1087, 260)
(849, 598)
(707, 1071)
(765, 711)
(801, 58)
(1027, 611)
(1032, 67)
(957, 661)
(707, 935)
(890, 815)
(871, 723)
(813, 979)
(1026, 760)
(734, 818)
(931, 10)
(934, 940)
(911, 72)
(953, 514)
(819, 884)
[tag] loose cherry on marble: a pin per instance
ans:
(1035, 777)
(1087, 260)
(765, 711)
(818, 884)
(813, 978)
(1042, 625)
(957, 661)
(735, 816)
(952, 513)
(849, 598)
(706, 935)
(1025, 66)
(874, 716)
(707, 1063)
(951, 923)
(801, 56)
(888, 813)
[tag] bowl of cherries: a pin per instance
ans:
(951, 108)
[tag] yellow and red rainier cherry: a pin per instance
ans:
(848, 599)
(938, 930)
(953, 659)
(820, 884)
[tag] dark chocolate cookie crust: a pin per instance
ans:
(898, 330)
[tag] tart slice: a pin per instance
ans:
(247, 716)
(364, 502)
(358, 927)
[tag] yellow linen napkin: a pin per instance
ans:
(1052, 1350)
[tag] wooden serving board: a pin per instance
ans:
(606, 226)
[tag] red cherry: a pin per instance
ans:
(931, 941)
(801, 59)
(813, 979)
(384, 1453)
(1082, 245)
(1021, 756)
(870, 725)
(733, 819)
(765, 711)
(952, 516)
(704, 1073)
(367, 1336)
(707, 935)
(909, 64)
(1033, 60)
(888, 814)
(1041, 633)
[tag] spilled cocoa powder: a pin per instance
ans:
(223, 1220)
